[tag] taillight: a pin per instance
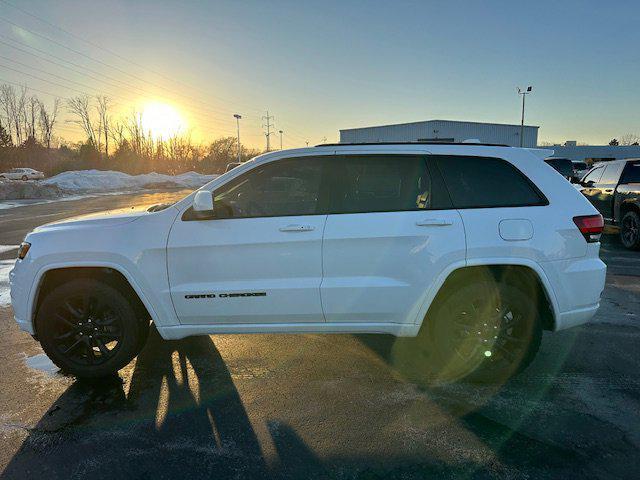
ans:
(590, 226)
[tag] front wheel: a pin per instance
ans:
(484, 332)
(630, 230)
(89, 329)
(25, 178)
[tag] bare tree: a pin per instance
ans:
(104, 121)
(30, 114)
(630, 139)
(47, 120)
(80, 107)
(13, 104)
(117, 133)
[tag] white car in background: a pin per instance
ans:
(22, 174)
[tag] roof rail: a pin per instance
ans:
(427, 142)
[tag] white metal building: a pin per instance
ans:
(444, 131)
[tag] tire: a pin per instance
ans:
(630, 230)
(24, 178)
(89, 329)
(485, 332)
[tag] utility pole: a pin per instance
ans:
(280, 132)
(268, 125)
(238, 117)
(524, 93)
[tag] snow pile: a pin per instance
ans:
(98, 181)
(18, 190)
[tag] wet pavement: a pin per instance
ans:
(327, 406)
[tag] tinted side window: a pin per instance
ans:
(475, 182)
(594, 175)
(282, 188)
(631, 173)
(612, 173)
(384, 183)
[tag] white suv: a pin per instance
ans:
(472, 249)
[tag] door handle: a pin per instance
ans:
(608, 190)
(434, 222)
(297, 228)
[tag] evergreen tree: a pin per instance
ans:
(5, 138)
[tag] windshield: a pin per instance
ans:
(562, 165)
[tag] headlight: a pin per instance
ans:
(23, 250)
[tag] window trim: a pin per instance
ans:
(190, 216)
(333, 174)
(544, 201)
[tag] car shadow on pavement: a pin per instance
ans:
(181, 415)
(178, 414)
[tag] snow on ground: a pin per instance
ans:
(73, 185)
(5, 268)
(84, 181)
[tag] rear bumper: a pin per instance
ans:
(577, 285)
(576, 317)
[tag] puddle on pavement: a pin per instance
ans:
(42, 363)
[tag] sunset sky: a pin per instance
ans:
(321, 66)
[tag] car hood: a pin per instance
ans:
(107, 218)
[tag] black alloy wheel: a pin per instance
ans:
(630, 230)
(484, 332)
(89, 328)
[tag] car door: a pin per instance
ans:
(390, 233)
(259, 259)
(602, 193)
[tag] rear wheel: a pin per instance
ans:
(89, 328)
(485, 332)
(630, 230)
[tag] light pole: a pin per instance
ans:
(280, 132)
(524, 93)
(238, 117)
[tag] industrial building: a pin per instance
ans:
(443, 131)
(594, 153)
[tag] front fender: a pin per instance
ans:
(157, 308)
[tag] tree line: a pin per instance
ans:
(27, 139)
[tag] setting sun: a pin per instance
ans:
(162, 120)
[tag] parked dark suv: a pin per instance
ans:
(614, 189)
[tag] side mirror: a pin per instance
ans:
(203, 204)
(589, 183)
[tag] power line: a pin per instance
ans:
(95, 60)
(205, 111)
(77, 52)
(115, 54)
(205, 119)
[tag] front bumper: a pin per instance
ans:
(20, 292)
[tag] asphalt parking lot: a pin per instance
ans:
(321, 406)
